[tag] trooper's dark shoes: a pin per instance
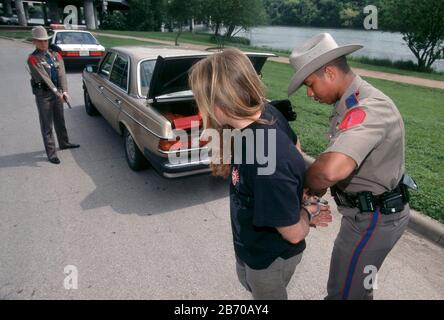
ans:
(54, 160)
(70, 146)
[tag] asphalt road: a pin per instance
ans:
(137, 235)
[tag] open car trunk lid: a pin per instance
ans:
(169, 88)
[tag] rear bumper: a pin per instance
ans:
(81, 61)
(177, 170)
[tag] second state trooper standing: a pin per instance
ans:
(49, 86)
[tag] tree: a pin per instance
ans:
(146, 15)
(350, 15)
(242, 14)
(299, 12)
(8, 7)
(328, 14)
(115, 20)
(182, 12)
(422, 26)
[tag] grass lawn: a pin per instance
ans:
(422, 111)
(16, 34)
(111, 42)
(431, 76)
(421, 108)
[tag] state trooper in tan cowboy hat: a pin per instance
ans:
(313, 54)
(39, 33)
(363, 164)
(49, 85)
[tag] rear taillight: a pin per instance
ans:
(166, 145)
(70, 54)
(96, 53)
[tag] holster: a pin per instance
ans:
(38, 86)
(388, 203)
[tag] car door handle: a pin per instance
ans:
(118, 101)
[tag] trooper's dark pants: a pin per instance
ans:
(362, 244)
(51, 112)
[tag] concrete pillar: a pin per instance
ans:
(45, 13)
(54, 13)
(88, 7)
(26, 8)
(21, 13)
(96, 18)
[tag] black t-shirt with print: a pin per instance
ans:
(260, 203)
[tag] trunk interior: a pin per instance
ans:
(180, 113)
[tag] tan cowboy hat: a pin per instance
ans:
(39, 33)
(313, 54)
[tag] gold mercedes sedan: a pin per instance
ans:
(143, 93)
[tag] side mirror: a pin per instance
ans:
(91, 68)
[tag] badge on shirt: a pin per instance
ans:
(235, 177)
(352, 118)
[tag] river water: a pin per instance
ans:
(377, 44)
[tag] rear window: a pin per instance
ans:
(146, 73)
(74, 38)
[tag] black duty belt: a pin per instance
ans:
(388, 203)
(39, 85)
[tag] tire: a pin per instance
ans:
(135, 159)
(89, 107)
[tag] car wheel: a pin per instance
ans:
(89, 107)
(135, 159)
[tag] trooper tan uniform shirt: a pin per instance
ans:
(41, 70)
(366, 126)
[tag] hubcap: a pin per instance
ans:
(88, 102)
(130, 147)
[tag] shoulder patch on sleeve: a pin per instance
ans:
(32, 60)
(352, 118)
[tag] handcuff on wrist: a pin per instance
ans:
(311, 201)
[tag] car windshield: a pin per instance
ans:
(146, 73)
(74, 38)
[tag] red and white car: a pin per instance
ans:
(77, 47)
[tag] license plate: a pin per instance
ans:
(84, 53)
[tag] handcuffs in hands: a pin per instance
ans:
(311, 201)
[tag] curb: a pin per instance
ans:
(427, 227)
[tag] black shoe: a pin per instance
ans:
(70, 146)
(54, 160)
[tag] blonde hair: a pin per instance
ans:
(228, 80)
